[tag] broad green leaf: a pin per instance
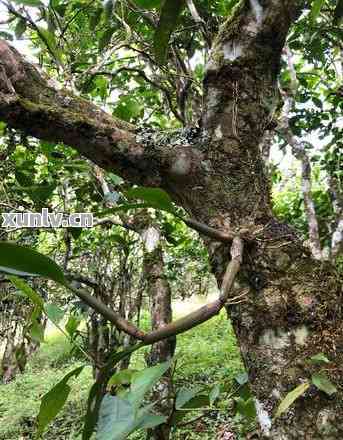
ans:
(155, 197)
(143, 381)
(148, 4)
(316, 8)
(185, 395)
(170, 13)
(197, 402)
(149, 421)
(246, 407)
(54, 313)
(214, 393)
(116, 418)
(96, 391)
(21, 260)
(27, 291)
(53, 401)
(40, 193)
(323, 383)
(319, 359)
(290, 398)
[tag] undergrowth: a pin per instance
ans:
(206, 355)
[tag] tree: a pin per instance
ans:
(291, 304)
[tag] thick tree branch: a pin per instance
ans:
(29, 102)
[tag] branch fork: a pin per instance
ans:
(189, 321)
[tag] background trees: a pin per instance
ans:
(144, 62)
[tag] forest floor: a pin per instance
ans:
(206, 356)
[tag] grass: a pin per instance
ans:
(206, 355)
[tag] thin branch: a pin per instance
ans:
(155, 84)
(181, 325)
(36, 28)
(107, 313)
(209, 310)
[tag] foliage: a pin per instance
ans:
(54, 360)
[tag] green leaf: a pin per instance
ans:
(170, 13)
(94, 19)
(323, 383)
(75, 232)
(109, 6)
(54, 313)
(319, 359)
(143, 381)
(149, 421)
(6, 35)
(185, 395)
(116, 418)
(197, 402)
(290, 398)
(20, 28)
(242, 378)
(246, 407)
(36, 331)
(21, 260)
(29, 2)
(116, 180)
(214, 393)
(24, 178)
(128, 108)
(105, 38)
(121, 377)
(72, 325)
(316, 8)
(27, 291)
(155, 197)
(40, 193)
(53, 401)
(148, 4)
(49, 40)
(96, 392)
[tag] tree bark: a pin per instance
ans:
(161, 315)
(293, 305)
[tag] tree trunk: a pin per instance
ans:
(161, 314)
(293, 304)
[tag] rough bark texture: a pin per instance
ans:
(293, 306)
(161, 315)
